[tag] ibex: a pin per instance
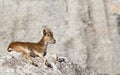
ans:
(34, 49)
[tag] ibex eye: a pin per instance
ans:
(48, 35)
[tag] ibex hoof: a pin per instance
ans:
(60, 59)
(35, 64)
(48, 64)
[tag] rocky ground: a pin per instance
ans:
(15, 64)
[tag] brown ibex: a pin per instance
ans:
(34, 49)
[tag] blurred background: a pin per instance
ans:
(87, 31)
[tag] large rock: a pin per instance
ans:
(15, 64)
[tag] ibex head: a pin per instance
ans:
(48, 36)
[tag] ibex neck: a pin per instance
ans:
(42, 42)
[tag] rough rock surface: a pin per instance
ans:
(15, 64)
(87, 31)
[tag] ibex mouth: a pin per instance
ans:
(52, 42)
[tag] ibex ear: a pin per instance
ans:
(44, 32)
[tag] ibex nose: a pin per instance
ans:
(54, 41)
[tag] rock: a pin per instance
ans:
(15, 64)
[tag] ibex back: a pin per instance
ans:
(34, 49)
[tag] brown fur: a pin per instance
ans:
(33, 49)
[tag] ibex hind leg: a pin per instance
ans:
(27, 57)
(32, 54)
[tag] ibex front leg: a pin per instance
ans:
(41, 56)
(45, 60)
